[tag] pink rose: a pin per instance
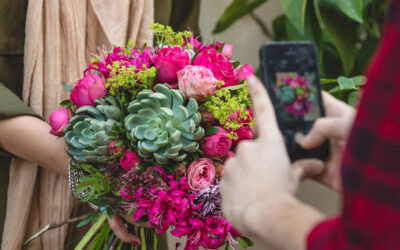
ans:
(129, 160)
(197, 82)
(87, 90)
(58, 121)
(201, 174)
(244, 72)
(170, 61)
(218, 144)
(221, 67)
(227, 51)
(114, 150)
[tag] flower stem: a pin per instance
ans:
(143, 238)
(155, 241)
(92, 231)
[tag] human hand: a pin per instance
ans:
(258, 184)
(117, 225)
(335, 127)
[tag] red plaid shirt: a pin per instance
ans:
(370, 217)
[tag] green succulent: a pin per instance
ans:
(163, 125)
(89, 131)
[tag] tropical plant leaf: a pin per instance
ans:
(236, 10)
(352, 8)
(296, 12)
(351, 83)
(67, 87)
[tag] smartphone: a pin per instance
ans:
(290, 73)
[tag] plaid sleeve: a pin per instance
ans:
(370, 217)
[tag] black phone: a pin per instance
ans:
(290, 73)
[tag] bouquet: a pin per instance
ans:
(148, 131)
(295, 94)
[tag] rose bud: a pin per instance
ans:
(129, 160)
(244, 72)
(197, 82)
(218, 144)
(58, 121)
(181, 170)
(227, 51)
(169, 61)
(87, 90)
(114, 150)
(207, 119)
(201, 174)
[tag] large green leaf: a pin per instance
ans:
(341, 33)
(352, 8)
(351, 83)
(295, 11)
(236, 10)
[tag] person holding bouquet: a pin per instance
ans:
(259, 183)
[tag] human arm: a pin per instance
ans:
(258, 185)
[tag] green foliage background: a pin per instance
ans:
(346, 32)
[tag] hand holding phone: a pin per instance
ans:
(290, 74)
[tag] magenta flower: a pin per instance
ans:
(58, 121)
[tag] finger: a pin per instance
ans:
(334, 107)
(121, 232)
(263, 109)
(322, 130)
(129, 218)
(307, 169)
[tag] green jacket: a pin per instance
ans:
(179, 14)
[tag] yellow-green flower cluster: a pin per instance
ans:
(129, 79)
(165, 35)
(228, 106)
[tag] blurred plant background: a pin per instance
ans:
(346, 32)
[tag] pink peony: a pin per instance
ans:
(129, 160)
(114, 150)
(200, 174)
(227, 51)
(87, 90)
(217, 144)
(197, 82)
(170, 61)
(58, 121)
(244, 72)
(221, 67)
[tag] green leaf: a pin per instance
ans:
(84, 222)
(318, 13)
(67, 87)
(354, 98)
(92, 231)
(328, 81)
(279, 28)
(351, 83)
(66, 103)
(211, 131)
(340, 31)
(236, 64)
(236, 10)
(295, 11)
(244, 241)
(352, 8)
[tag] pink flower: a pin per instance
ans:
(129, 160)
(244, 132)
(197, 82)
(200, 174)
(87, 90)
(221, 67)
(227, 51)
(244, 72)
(170, 61)
(217, 144)
(58, 121)
(114, 150)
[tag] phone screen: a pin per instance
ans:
(293, 82)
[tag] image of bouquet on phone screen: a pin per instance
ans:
(294, 92)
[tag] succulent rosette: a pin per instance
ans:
(148, 131)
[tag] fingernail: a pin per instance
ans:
(251, 81)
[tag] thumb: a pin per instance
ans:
(322, 130)
(307, 168)
(264, 111)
